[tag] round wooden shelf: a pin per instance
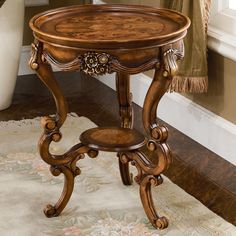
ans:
(109, 26)
(112, 139)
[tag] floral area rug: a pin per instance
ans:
(100, 205)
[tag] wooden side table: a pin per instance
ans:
(100, 39)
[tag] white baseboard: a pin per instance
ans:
(203, 126)
(98, 2)
(31, 3)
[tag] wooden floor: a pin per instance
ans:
(197, 170)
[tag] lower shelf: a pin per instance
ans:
(112, 139)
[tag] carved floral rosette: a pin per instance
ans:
(95, 63)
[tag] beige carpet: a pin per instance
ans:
(100, 205)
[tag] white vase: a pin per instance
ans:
(11, 34)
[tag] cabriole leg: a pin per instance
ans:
(147, 201)
(157, 134)
(126, 114)
(65, 163)
(148, 176)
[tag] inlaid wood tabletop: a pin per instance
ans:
(112, 139)
(109, 25)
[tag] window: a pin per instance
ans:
(232, 4)
(222, 28)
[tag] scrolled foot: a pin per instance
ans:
(147, 201)
(50, 211)
(161, 223)
(69, 169)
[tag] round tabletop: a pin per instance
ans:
(109, 26)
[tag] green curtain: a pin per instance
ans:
(193, 74)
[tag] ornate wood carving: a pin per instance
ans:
(95, 64)
(65, 163)
(117, 67)
(126, 114)
(99, 50)
(170, 58)
(34, 54)
(72, 65)
(146, 198)
(148, 175)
